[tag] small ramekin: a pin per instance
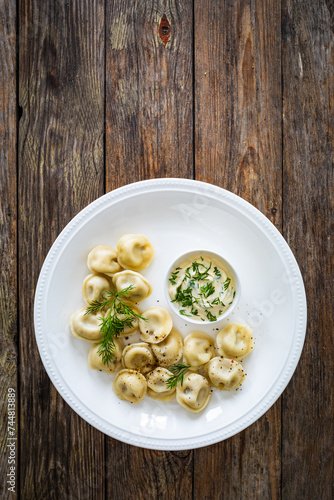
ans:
(231, 271)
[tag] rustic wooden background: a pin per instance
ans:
(91, 98)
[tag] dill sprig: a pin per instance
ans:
(178, 371)
(207, 290)
(227, 283)
(112, 325)
(210, 316)
(184, 297)
(217, 272)
(173, 276)
(198, 274)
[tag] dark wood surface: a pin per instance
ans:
(237, 93)
(60, 169)
(8, 227)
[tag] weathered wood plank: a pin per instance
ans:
(238, 137)
(148, 134)
(308, 201)
(8, 231)
(61, 91)
(149, 91)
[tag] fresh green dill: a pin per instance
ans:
(194, 311)
(227, 283)
(173, 277)
(215, 302)
(210, 316)
(187, 272)
(118, 316)
(178, 371)
(217, 272)
(198, 274)
(207, 290)
(184, 297)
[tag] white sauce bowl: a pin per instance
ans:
(231, 272)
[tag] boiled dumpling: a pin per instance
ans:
(138, 357)
(86, 326)
(225, 374)
(169, 351)
(141, 287)
(157, 384)
(95, 359)
(134, 252)
(234, 341)
(130, 385)
(194, 394)
(156, 326)
(93, 287)
(134, 321)
(103, 259)
(198, 349)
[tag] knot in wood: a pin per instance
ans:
(164, 29)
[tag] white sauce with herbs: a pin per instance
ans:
(201, 288)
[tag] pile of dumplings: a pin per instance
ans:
(144, 366)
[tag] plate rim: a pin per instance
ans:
(146, 441)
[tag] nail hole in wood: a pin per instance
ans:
(164, 29)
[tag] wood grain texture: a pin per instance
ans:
(61, 91)
(263, 75)
(148, 134)
(149, 91)
(238, 137)
(8, 232)
(308, 84)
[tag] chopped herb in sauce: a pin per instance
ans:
(227, 283)
(217, 272)
(201, 288)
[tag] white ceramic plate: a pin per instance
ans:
(176, 215)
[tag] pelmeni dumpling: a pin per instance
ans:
(127, 328)
(169, 351)
(94, 286)
(134, 252)
(141, 286)
(157, 384)
(198, 349)
(225, 374)
(138, 357)
(130, 385)
(103, 259)
(95, 359)
(156, 326)
(194, 394)
(234, 341)
(86, 326)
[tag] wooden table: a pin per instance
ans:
(93, 96)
